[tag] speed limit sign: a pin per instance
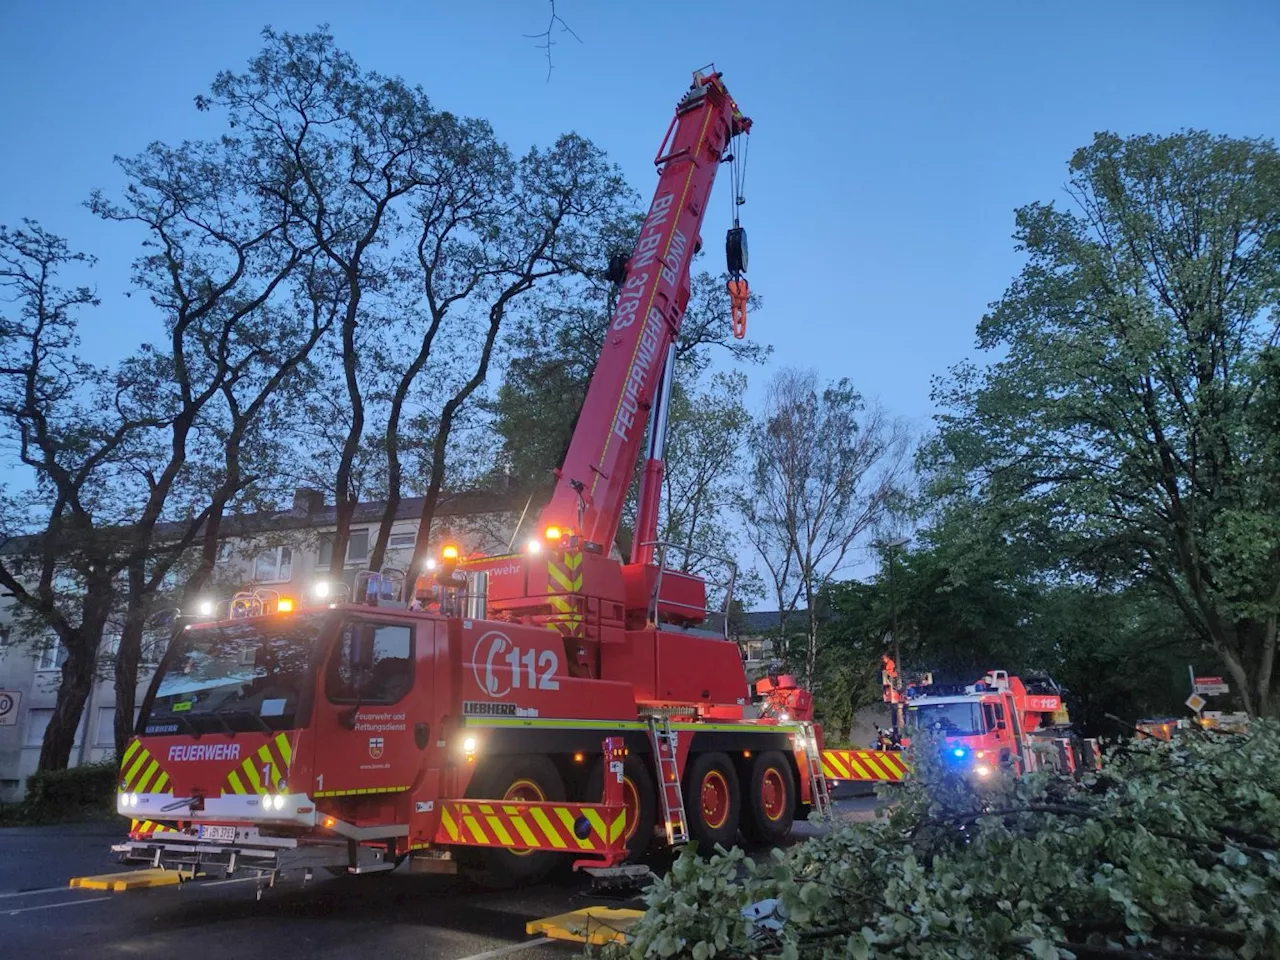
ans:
(9, 700)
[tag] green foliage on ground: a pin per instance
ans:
(1170, 852)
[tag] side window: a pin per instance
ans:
(989, 711)
(372, 663)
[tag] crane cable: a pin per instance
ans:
(739, 291)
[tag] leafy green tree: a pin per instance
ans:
(1129, 425)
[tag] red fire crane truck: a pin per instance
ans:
(506, 710)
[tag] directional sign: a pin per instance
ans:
(1210, 686)
(1196, 702)
(9, 701)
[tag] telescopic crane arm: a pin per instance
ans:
(626, 387)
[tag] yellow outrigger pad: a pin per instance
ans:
(131, 880)
(589, 925)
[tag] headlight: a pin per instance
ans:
(469, 746)
(274, 801)
(982, 770)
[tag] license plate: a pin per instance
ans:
(217, 833)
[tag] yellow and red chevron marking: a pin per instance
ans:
(886, 766)
(564, 576)
(140, 772)
(530, 826)
(138, 829)
(262, 771)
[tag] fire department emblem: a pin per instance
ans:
(375, 747)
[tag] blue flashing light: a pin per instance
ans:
(958, 752)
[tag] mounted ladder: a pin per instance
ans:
(663, 739)
(820, 796)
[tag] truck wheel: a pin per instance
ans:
(771, 796)
(712, 801)
(531, 777)
(638, 795)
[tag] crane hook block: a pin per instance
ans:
(735, 250)
(739, 292)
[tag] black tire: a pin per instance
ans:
(771, 799)
(635, 774)
(497, 867)
(717, 821)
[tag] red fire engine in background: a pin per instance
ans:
(506, 710)
(1000, 720)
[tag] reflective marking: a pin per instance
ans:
(50, 906)
(447, 820)
(503, 951)
(522, 828)
(548, 829)
(476, 830)
(567, 819)
(499, 830)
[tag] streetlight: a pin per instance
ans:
(891, 546)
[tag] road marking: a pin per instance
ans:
(513, 948)
(50, 906)
(32, 893)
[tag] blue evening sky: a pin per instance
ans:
(892, 142)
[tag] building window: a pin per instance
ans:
(51, 656)
(357, 548)
(274, 566)
(224, 551)
(38, 723)
(106, 727)
(400, 541)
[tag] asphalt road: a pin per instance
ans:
(400, 915)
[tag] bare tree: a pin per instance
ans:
(547, 36)
(824, 470)
(563, 201)
(72, 426)
(222, 250)
(358, 146)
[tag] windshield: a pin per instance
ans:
(951, 719)
(244, 676)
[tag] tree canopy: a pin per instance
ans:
(1127, 434)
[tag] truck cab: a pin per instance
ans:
(994, 722)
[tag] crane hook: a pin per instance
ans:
(739, 292)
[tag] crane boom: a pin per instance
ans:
(592, 482)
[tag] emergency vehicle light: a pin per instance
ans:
(285, 605)
(321, 589)
(958, 752)
(553, 533)
(450, 552)
(206, 608)
(534, 546)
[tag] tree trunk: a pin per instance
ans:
(128, 657)
(78, 672)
